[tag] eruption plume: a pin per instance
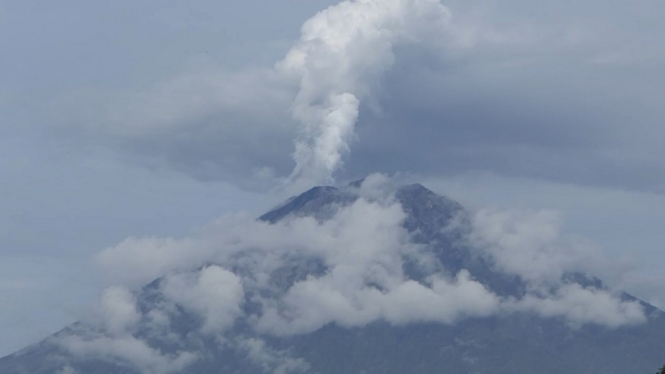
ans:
(341, 54)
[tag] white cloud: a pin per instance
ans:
(119, 310)
(315, 302)
(213, 292)
(579, 306)
(446, 301)
(138, 261)
(363, 248)
(532, 246)
(529, 244)
(361, 251)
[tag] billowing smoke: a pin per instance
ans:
(340, 56)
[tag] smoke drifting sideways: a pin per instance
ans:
(338, 61)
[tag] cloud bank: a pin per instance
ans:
(300, 274)
(296, 276)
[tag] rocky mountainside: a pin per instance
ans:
(505, 342)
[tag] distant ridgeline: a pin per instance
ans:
(350, 280)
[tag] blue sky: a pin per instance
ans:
(153, 118)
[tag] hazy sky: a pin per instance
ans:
(153, 118)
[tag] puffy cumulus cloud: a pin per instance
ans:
(444, 301)
(354, 275)
(315, 302)
(352, 267)
(356, 266)
(213, 292)
(341, 54)
(530, 244)
(119, 312)
(582, 305)
(137, 261)
(356, 234)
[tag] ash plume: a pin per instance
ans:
(342, 53)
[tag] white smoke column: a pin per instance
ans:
(342, 52)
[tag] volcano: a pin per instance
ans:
(168, 336)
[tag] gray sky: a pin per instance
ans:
(152, 118)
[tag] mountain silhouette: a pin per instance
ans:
(504, 343)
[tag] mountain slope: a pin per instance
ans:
(500, 341)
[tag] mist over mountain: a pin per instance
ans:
(365, 278)
(142, 142)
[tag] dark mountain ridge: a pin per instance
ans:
(510, 343)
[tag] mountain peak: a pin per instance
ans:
(318, 202)
(427, 210)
